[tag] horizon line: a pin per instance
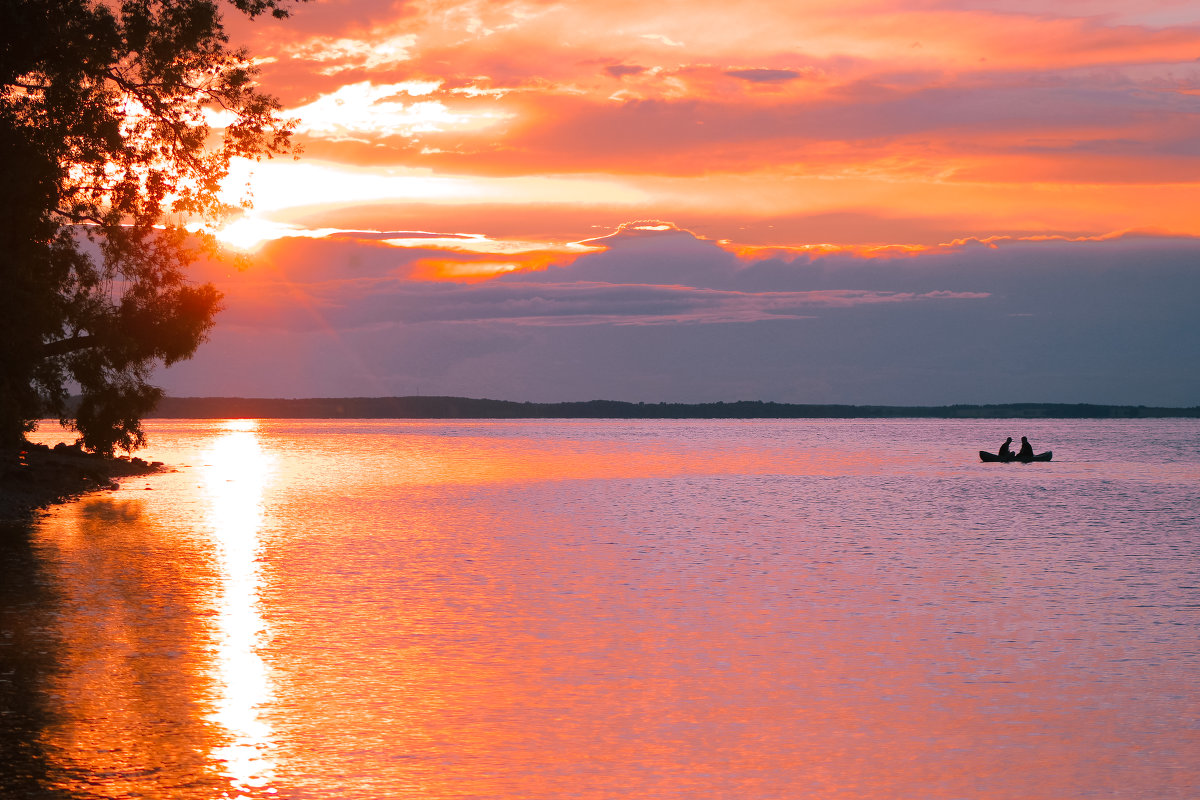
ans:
(456, 407)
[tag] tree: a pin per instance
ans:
(106, 154)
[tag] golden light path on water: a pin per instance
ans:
(235, 473)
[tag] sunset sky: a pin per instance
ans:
(862, 201)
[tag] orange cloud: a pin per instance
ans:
(460, 269)
(927, 121)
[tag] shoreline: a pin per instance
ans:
(34, 477)
(446, 407)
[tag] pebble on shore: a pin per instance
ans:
(34, 476)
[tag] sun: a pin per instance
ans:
(248, 233)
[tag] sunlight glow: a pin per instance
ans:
(234, 477)
(364, 109)
(278, 185)
(250, 232)
(475, 243)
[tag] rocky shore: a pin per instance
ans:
(34, 476)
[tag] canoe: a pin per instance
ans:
(984, 455)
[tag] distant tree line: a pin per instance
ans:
(426, 407)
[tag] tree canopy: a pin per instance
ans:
(109, 147)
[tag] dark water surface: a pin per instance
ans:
(603, 609)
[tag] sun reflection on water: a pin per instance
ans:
(235, 473)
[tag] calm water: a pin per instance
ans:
(612, 609)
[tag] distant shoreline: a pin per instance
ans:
(428, 407)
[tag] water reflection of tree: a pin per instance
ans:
(115, 698)
(27, 657)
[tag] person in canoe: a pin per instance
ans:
(1026, 451)
(1024, 456)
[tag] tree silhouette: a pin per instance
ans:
(106, 152)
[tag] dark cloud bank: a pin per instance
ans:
(664, 316)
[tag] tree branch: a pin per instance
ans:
(61, 347)
(77, 217)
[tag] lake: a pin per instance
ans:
(850, 609)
